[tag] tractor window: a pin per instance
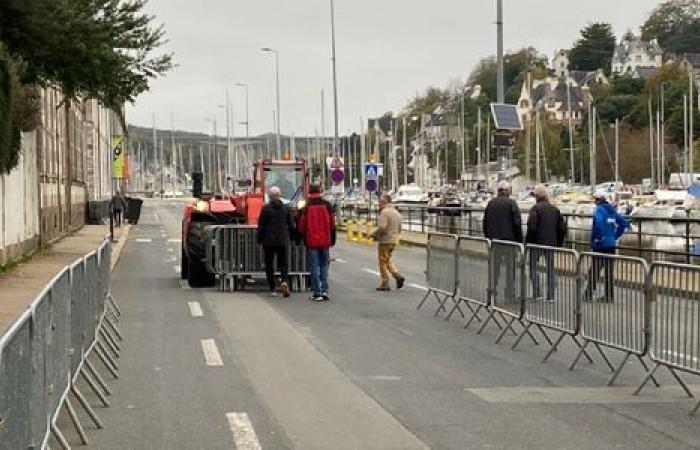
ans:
(288, 179)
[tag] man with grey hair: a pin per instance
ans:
(545, 228)
(502, 222)
(387, 236)
(274, 228)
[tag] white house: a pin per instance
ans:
(560, 63)
(553, 98)
(632, 54)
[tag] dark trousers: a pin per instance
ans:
(117, 214)
(607, 267)
(535, 255)
(272, 252)
(504, 259)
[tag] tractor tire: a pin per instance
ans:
(183, 265)
(197, 274)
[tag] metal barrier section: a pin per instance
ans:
(441, 270)
(472, 276)
(614, 307)
(234, 254)
(551, 299)
(675, 321)
(506, 284)
(43, 352)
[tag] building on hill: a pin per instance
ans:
(644, 73)
(560, 63)
(633, 53)
(551, 96)
(585, 78)
(691, 63)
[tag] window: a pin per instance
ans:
(288, 179)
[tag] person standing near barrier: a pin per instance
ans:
(502, 222)
(545, 227)
(118, 205)
(387, 236)
(608, 227)
(317, 225)
(274, 228)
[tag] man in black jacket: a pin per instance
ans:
(502, 222)
(274, 228)
(545, 227)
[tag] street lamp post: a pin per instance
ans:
(277, 83)
(246, 123)
(335, 81)
(500, 70)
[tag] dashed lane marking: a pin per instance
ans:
(195, 309)
(174, 240)
(243, 433)
(170, 250)
(372, 271)
(340, 260)
(385, 378)
(177, 268)
(144, 240)
(212, 357)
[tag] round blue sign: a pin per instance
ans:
(371, 185)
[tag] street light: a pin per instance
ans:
(212, 171)
(247, 125)
(277, 83)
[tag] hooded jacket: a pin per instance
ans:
(608, 227)
(317, 223)
(275, 224)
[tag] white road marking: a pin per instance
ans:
(172, 259)
(417, 286)
(195, 309)
(170, 250)
(385, 378)
(372, 271)
(177, 268)
(340, 260)
(243, 433)
(211, 353)
(143, 240)
(184, 284)
(174, 240)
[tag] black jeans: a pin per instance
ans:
(607, 266)
(281, 254)
(117, 214)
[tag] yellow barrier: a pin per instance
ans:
(360, 231)
(370, 232)
(350, 231)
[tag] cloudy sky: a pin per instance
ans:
(388, 50)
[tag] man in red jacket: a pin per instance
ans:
(317, 225)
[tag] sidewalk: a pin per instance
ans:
(21, 285)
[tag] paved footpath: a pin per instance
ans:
(201, 369)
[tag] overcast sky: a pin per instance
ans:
(387, 50)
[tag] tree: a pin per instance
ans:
(594, 49)
(676, 25)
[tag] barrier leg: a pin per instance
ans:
(544, 334)
(86, 406)
(60, 437)
(456, 307)
(619, 369)
(509, 325)
(488, 319)
(646, 369)
(520, 336)
(605, 357)
(553, 347)
(113, 346)
(88, 379)
(695, 410)
(100, 381)
(114, 329)
(76, 422)
(475, 315)
(106, 360)
(109, 313)
(681, 382)
(441, 303)
(113, 302)
(647, 378)
(578, 355)
(420, 305)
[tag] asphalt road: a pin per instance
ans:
(361, 371)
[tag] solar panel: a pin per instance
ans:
(506, 117)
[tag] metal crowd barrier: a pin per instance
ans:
(234, 254)
(675, 321)
(441, 270)
(472, 277)
(551, 299)
(45, 350)
(614, 307)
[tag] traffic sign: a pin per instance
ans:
(337, 175)
(371, 185)
(374, 169)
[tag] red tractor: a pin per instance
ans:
(291, 176)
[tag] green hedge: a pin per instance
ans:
(10, 136)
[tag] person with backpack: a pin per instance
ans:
(317, 226)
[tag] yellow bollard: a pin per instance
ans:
(351, 231)
(370, 232)
(360, 231)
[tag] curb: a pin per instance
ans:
(119, 247)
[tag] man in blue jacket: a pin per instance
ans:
(608, 227)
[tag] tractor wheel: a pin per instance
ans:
(183, 264)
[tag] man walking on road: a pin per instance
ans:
(545, 227)
(608, 228)
(317, 225)
(387, 236)
(274, 228)
(502, 222)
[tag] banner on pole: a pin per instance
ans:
(119, 166)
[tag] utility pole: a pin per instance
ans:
(335, 82)
(363, 157)
(691, 127)
(323, 139)
(592, 156)
(478, 147)
(462, 137)
(404, 145)
(571, 129)
(500, 69)
(651, 142)
(617, 151)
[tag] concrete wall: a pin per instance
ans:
(64, 164)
